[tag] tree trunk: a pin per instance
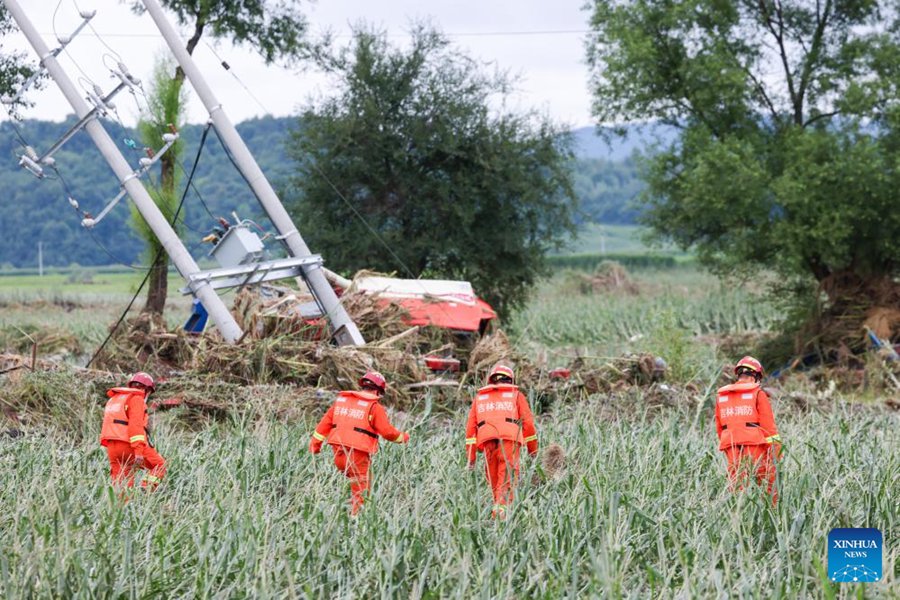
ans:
(159, 276)
(159, 279)
(159, 285)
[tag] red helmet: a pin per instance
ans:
(500, 370)
(373, 378)
(750, 363)
(144, 379)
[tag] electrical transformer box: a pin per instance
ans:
(238, 246)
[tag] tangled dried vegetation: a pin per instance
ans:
(283, 367)
(609, 277)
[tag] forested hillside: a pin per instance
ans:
(37, 211)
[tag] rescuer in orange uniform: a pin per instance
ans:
(746, 427)
(500, 421)
(351, 427)
(124, 434)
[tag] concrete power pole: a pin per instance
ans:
(345, 331)
(183, 261)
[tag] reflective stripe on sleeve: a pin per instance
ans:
(531, 438)
(399, 439)
(773, 439)
(137, 438)
(470, 441)
(318, 436)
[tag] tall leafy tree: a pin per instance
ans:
(166, 103)
(14, 66)
(408, 168)
(277, 30)
(789, 118)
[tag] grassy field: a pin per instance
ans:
(614, 239)
(79, 284)
(83, 302)
(687, 300)
(642, 510)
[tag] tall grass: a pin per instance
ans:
(87, 316)
(641, 512)
(689, 300)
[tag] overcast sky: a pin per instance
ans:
(540, 40)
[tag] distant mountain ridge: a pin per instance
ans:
(607, 145)
(37, 210)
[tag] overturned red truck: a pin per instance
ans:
(438, 303)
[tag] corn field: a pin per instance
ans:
(699, 305)
(641, 511)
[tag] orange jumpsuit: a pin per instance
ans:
(499, 422)
(124, 434)
(747, 434)
(351, 427)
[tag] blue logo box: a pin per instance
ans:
(855, 555)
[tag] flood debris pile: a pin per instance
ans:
(27, 339)
(282, 311)
(72, 399)
(608, 277)
(493, 349)
(285, 362)
(853, 313)
(618, 373)
(282, 347)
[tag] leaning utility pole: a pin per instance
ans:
(183, 261)
(345, 331)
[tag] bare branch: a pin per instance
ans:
(778, 34)
(756, 82)
(192, 42)
(820, 116)
(762, 92)
(813, 55)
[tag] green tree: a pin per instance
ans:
(276, 29)
(166, 103)
(788, 153)
(14, 66)
(407, 168)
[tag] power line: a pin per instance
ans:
(149, 112)
(67, 189)
(91, 26)
(337, 191)
(160, 127)
(331, 184)
(71, 196)
(321, 174)
(227, 67)
(510, 33)
(159, 252)
(65, 49)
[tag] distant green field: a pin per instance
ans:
(77, 303)
(614, 239)
(80, 283)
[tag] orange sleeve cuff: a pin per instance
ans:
(382, 425)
